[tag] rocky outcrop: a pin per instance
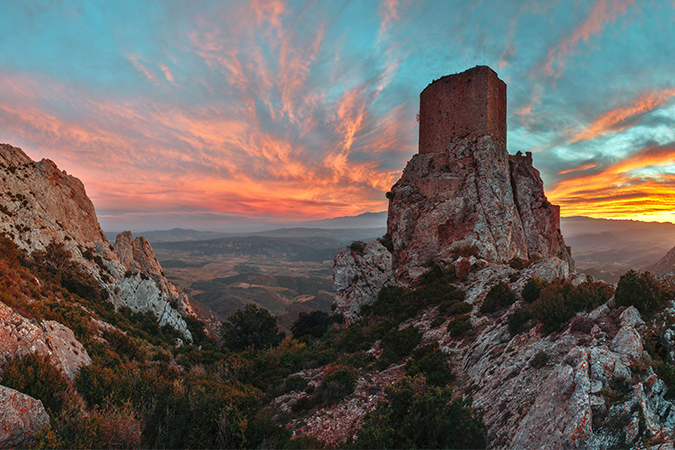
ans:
(20, 336)
(665, 266)
(471, 194)
(21, 416)
(540, 218)
(359, 276)
(41, 204)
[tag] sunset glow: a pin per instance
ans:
(213, 113)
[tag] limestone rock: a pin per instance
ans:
(19, 336)
(40, 204)
(358, 278)
(561, 416)
(21, 416)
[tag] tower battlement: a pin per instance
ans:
(469, 103)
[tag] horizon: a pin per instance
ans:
(234, 114)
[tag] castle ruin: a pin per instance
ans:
(471, 103)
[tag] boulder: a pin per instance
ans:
(21, 416)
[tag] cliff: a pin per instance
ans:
(41, 204)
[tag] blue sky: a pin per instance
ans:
(207, 114)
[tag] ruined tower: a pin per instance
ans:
(471, 103)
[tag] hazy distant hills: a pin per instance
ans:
(601, 247)
(608, 248)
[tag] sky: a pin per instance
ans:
(210, 114)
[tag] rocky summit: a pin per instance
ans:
(547, 358)
(41, 204)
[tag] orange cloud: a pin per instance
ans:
(618, 118)
(616, 190)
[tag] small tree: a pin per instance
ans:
(251, 327)
(500, 296)
(640, 290)
(311, 325)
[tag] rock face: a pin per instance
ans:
(359, 276)
(19, 336)
(665, 266)
(461, 191)
(467, 191)
(41, 204)
(21, 416)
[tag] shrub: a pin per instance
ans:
(355, 339)
(295, 384)
(251, 327)
(640, 290)
(452, 309)
(437, 322)
(539, 360)
(387, 242)
(533, 288)
(499, 296)
(417, 415)
(36, 376)
(520, 321)
(582, 324)
(459, 325)
(430, 361)
(562, 300)
(401, 342)
(519, 263)
(357, 247)
(338, 382)
(311, 325)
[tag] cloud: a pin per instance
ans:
(622, 188)
(626, 115)
(603, 12)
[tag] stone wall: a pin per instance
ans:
(471, 103)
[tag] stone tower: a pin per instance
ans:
(471, 103)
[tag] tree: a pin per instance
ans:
(251, 327)
(311, 325)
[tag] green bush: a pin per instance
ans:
(498, 297)
(561, 301)
(451, 309)
(354, 339)
(539, 360)
(459, 325)
(295, 384)
(387, 242)
(520, 321)
(437, 322)
(357, 247)
(533, 288)
(311, 325)
(430, 361)
(640, 290)
(36, 376)
(251, 327)
(417, 415)
(401, 342)
(338, 382)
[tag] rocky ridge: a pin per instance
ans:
(41, 204)
(472, 206)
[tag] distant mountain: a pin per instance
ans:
(290, 248)
(608, 248)
(361, 227)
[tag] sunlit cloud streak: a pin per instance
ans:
(275, 110)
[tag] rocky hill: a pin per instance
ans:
(474, 263)
(41, 205)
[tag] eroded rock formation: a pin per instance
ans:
(41, 204)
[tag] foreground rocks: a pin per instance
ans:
(21, 416)
(20, 336)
